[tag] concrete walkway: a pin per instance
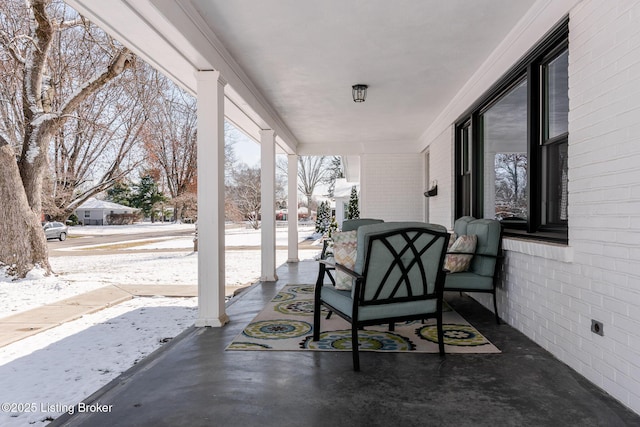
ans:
(31, 322)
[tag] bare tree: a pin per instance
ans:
(312, 171)
(245, 194)
(187, 205)
(98, 145)
(171, 141)
(231, 136)
(30, 34)
(511, 181)
(171, 145)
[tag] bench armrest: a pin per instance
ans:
(349, 271)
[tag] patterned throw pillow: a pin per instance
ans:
(458, 263)
(345, 245)
(452, 238)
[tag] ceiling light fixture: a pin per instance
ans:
(359, 92)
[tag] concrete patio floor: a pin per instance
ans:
(193, 381)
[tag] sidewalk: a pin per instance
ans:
(31, 322)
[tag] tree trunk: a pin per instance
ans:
(24, 244)
(34, 162)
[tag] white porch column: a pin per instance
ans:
(268, 204)
(292, 207)
(211, 280)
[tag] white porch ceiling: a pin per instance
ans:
(290, 64)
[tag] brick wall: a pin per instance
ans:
(392, 187)
(552, 292)
(604, 204)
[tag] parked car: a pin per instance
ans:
(55, 230)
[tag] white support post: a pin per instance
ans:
(211, 269)
(268, 204)
(292, 207)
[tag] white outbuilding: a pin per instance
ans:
(97, 212)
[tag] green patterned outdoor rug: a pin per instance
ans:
(286, 323)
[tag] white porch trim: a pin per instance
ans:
(268, 204)
(211, 268)
(292, 207)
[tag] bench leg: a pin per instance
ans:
(355, 350)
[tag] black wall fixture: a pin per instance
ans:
(433, 191)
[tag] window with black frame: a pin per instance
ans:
(555, 139)
(464, 167)
(511, 148)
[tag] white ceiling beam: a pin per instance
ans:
(342, 148)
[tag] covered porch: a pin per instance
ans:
(193, 381)
(282, 72)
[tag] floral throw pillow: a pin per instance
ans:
(345, 245)
(457, 263)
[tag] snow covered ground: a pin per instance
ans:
(48, 373)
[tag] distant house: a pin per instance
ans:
(96, 212)
(282, 214)
(304, 215)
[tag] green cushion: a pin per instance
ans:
(354, 224)
(342, 301)
(488, 232)
(460, 226)
(480, 274)
(468, 280)
(489, 235)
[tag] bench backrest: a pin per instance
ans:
(489, 232)
(400, 261)
(354, 224)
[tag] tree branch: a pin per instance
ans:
(6, 41)
(117, 66)
(63, 25)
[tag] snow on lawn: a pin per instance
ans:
(142, 227)
(37, 290)
(58, 368)
(233, 238)
(80, 274)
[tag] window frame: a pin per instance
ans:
(546, 142)
(464, 166)
(530, 67)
